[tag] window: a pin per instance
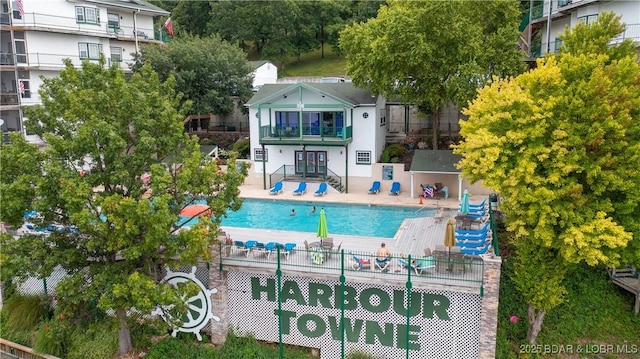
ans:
(258, 155)
(363, 157)
(113, 21)
(24, 88)
(383, 117)
(16, 10)
(589, 19)
(87, 15)
(89, 51)
(116, 54)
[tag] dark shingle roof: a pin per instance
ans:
(435, 161)
(258, 63)
(343, 91)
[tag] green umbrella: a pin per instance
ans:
(322, 226)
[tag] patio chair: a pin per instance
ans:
(240, 246)
(420, 265)
(322, 190)
(302, 189)
(272, 247)
(276, 189)
(306, 245)
(395, 188)
(327, 243)
(384, 264)
(360, 263)
(258, 249)
(375, 188)
(288, 248)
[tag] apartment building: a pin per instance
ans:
(36, 35)
(550, 18)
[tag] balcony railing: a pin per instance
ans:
(632, 32)
(312, 133)
(37, 59)
(63, 23)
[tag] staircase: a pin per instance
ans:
(333, 182)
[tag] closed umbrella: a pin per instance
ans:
(449, 234)
(449, 239)
(464, 205)
(323, 232)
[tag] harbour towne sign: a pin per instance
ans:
(310, 312)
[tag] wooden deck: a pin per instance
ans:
(413, 236)
(628, 279)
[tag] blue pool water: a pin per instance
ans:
(349, 219)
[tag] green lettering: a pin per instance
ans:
(373, 331)
(414, 339)
(269, 288)
(435, 304)
(320, 293)
(320, 326)
(398, 303)
(350, 302)
(334, 327)
(352, 332)
(365, 300)
(286, 320)
(290, 290)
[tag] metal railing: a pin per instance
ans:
(307, 132)
(38, 59)
(632, 31)
(65, 23)
(468, 271)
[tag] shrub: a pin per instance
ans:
(97, 342)
(52, 338)
(242, 147)
(24, 312)
(392, 151)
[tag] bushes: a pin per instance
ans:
(242, 147)
(392, 152)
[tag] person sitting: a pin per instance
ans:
(383, 256)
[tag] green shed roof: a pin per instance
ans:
(435, 161)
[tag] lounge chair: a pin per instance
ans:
(272, 247)
(302, 189)
(277, 189)
(395, 188)
(322, 190)
(420, 265)
(288, 248)
(360, 263)
(375, 188)
(240, 246)
(383, 264)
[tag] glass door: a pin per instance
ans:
(315, 163)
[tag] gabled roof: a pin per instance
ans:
(144, 7)
(435, 161)
(259, 63)
(343, 92)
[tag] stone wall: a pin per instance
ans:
(490, 301)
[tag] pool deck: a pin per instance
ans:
(413, 236)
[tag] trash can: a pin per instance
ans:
(493, 201)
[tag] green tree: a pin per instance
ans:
(433, 52)
(125, 231)
(191, 17)
(209, 72)
(561, 145)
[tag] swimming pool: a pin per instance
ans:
(348, 219)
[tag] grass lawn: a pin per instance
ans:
(311, 64)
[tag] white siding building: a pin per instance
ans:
(567, 13)
(330, 132)
(35, 39)
(265, 73)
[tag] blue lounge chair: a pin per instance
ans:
(277, 189)
(483, 229)
(395, 188)
(420, 265)
(288, 248)
(302, 189)
(375, 188)
(322, 190)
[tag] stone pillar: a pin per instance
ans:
(219, 300)
(490, 300)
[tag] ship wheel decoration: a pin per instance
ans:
(199, 306)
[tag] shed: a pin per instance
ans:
(436, 162)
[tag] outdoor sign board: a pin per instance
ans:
(442, 324)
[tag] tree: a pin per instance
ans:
(561, 145)
(117, 233)
(191, 17)
(433, 52)
(208, 72)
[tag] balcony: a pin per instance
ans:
(308, 135)
(38, 60)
